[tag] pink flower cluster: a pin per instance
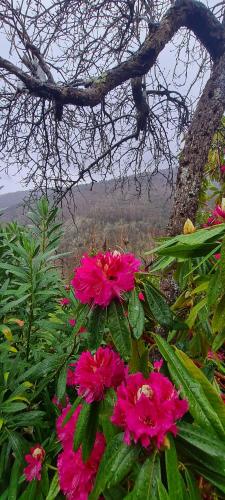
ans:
(218, 215)
(34, 460)
(94, 374)
(64, 301)
(104, 277)
(76, 477)
(147, 409)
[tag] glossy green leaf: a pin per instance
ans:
(192, 486)
(172, 472)
(14, 480)
(61, 383)
(193, 385)
(136, 314)
(146, 485)
(119, 329)
(162, 492)
(72, 410)
(158, 306)
(54, 488)
(218, 320)
(81, 425)
(96, 326)
(116, 463)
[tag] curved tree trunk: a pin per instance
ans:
(205, 122)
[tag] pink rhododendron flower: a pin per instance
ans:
(212, 221)
(72, 322)
(64, 301)
(217, 256)
(104, 277)
(57, 403)
(219, 212)
(70, 374)
(141, 296)
(96, 373)
(158, 364)
(34, 460)
(76, 478)
(65, 432)
(216, 355)
(147, 409)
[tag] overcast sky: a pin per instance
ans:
(13, 182)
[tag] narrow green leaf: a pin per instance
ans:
(18, 444)
(219, 316)
(192, 486)
(116, 463)
(119, 329)
(163, 495)
(81, 426)
(91, 429)
(219, 340)
(203, 441)
(146, 485)
(81, 317)
(54, 488)
(72, 410)
(214, 288)
(136, 314)
(172, 472)
(14, 480)
(61, 384)
(194, 312)
(30, 492)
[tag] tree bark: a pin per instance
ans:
(193, 158)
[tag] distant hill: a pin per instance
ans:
(108, 214)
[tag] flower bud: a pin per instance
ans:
(189, 227)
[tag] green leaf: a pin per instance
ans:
(146, 485)
(158, 306)
(30, 492)
(72, 410)
(54, 488)
(12, 407)
(41, 369)
(18, 444)
(190, 245)
(61, 384)
(81, 425)
(206, 448)
(91, 429)
(173, 475)
(193, 384)
(192, 486)
(119, 329)
(194, 312)
(86, 428)
(219, 316)
(136, 314)
(219, 340)
(96, 326)
(81, 317)
(214, 288)
(14, 480)
(163, 495)
(210, 392)
(116, 463)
